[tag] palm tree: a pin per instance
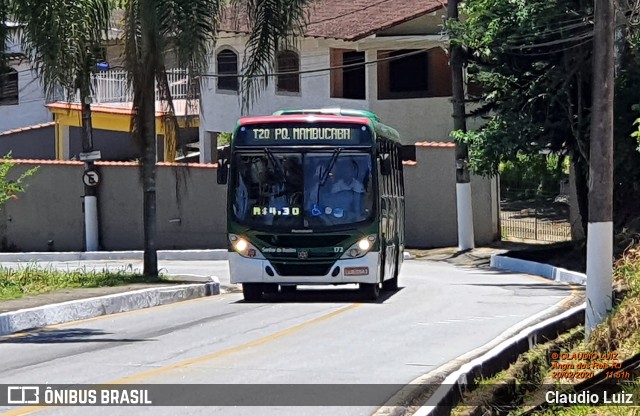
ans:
(189, 28)
(63, 40)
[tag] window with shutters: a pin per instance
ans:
(227, 65)
(288, 67)
(9, 87)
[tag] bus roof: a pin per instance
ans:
(337, 111)
(303, 118)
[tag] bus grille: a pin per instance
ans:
(306, 241)
(302, 269)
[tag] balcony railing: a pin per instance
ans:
(111, 87)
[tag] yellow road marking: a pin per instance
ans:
(28, 332)
(197, 360)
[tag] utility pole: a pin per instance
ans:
(463, 180)
(600, 227)
(90, 177)
(90, 182)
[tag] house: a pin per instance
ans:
(33, 126)
(22, 97)
(389, 57)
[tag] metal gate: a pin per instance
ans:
(535, 224)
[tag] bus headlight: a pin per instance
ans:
(244, 247)
(360, 248)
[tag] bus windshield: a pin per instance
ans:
(294, 190)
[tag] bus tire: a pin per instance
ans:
(391, 284)
(288, 288)
(370, 291)
(269, 288)
(252, 291)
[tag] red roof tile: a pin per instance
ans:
(22, 129)
(105, 163)
(349, 20)
(435, 144)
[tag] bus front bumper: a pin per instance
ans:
(364, 269)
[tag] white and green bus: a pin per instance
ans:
(315, 197)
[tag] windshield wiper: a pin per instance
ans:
(275, 162)
(334, 157)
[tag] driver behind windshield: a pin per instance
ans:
(340, 199)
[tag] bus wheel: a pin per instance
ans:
(370, 291)
(252, 291)
(268, 288)
(391, 284)
(288, 288)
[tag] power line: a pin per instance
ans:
(311, 71)
(579, 37)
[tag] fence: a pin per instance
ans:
(535, 224)
(111, 86)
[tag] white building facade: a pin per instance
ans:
(23, 104)
(399, 71)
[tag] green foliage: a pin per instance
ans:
(540, 174)
(224, 138)
(533, 60)
(63, 40)
(626, 192)
(530, 59)
(9, 189)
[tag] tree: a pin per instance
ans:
(9, 189)
(189, 28)
(533, 60)
(63, 40)
(4, 34)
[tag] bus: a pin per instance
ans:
(315, 197)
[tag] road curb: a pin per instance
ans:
(455, 384)
(499, 358)
(113, 255)
(75, 310)
(548, 271)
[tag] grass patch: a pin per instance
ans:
(621, 331)
(508, 389)
(33, 279)
(601, 410)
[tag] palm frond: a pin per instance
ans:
(4, 33)
(189, 29)
(62, 38)
(273, 26)
(190, 26)
(169, 120)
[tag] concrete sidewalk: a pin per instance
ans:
(69, 305)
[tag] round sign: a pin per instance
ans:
(90, 178)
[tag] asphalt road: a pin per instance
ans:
(316, 336)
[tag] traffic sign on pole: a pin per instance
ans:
(91, 178)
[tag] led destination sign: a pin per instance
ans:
(303, 134)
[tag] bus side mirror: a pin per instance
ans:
(222, 171)
(385, 164)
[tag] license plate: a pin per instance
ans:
(356, 271)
